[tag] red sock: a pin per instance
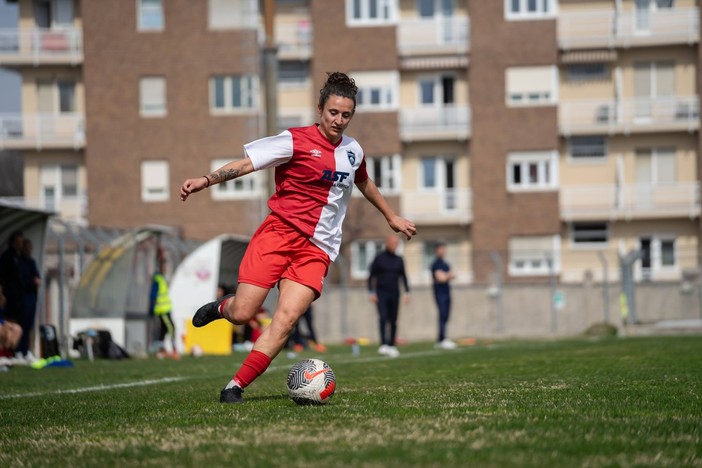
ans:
(254, 365)
(222, 305)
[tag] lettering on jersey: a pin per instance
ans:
(352, 157)
(336, 176)
(316, 153)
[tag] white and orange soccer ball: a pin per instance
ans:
(311, 382)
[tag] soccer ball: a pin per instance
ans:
(311, 382)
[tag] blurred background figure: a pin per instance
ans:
(10, 334)
(161, 307)
(299, 341)
(441, 276)
(386, 272)
(30, 280)
(11, 279)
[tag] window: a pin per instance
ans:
(589, 234)
(658, 253)
(655, 166)
(149, 15)
(293, 73)
(653, 81)
(234, 93)
(438, 175)
(48, 14)
(587, 148)
(152, 96)
(67, 96)
(586, 72)
(644, 10)
(69, 180)
(532, 86)
(530, 9)
(385, 172)
(246, 187)
(534, 255)
(377, 90)
(362, 254)
(56, 94)
(154, 181)
(58, 182)
(370, 12)
(229, 14)
(532, 170)
(433, 8)
(437, 90)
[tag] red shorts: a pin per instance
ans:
(278, 251)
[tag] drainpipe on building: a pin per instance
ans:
(270, 78)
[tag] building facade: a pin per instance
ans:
(540, 139)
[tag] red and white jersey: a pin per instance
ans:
(313, 180)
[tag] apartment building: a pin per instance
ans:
(539, 138)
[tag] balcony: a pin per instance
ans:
(448, 206)
(433, 36)
(610, 29)
(42, 131)
(610, 116)
(449, 122)
(294, 40)
(41, 46)
(630, 201)
(70, 208)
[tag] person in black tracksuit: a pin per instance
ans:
(386, 271)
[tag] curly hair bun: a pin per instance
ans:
(338, 84)
(341, 79)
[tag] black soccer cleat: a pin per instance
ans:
(209, 312)
(231, 395)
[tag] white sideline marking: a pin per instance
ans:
(96, 388)
(344, 360)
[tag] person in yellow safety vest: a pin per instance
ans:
(161, 307)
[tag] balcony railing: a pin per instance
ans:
(41, 46)
(609, 202)
(609, 116)
(74, 208)
(448, 122)
(433, 36)
(39, 131)
(294, 40)
(437, 207)
(609, 28)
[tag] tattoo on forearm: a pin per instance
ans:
(224, 175)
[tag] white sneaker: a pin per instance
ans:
(447, 344)
(383, 350)
(392, 352)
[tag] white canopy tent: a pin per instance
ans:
(196, 279)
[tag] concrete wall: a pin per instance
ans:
(527, 311)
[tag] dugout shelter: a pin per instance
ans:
(114, 290)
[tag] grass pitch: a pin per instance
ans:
(609, 402)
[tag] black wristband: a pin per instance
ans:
(208, 180)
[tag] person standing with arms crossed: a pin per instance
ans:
(441, 276)
(315, 170)
(386, 272)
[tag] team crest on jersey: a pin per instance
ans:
(316, 153)
(352, 157)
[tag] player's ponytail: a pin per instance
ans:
(338, 84)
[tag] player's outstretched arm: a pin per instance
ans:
(227, 172)
(397, 223)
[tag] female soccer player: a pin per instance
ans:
(315, 169)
